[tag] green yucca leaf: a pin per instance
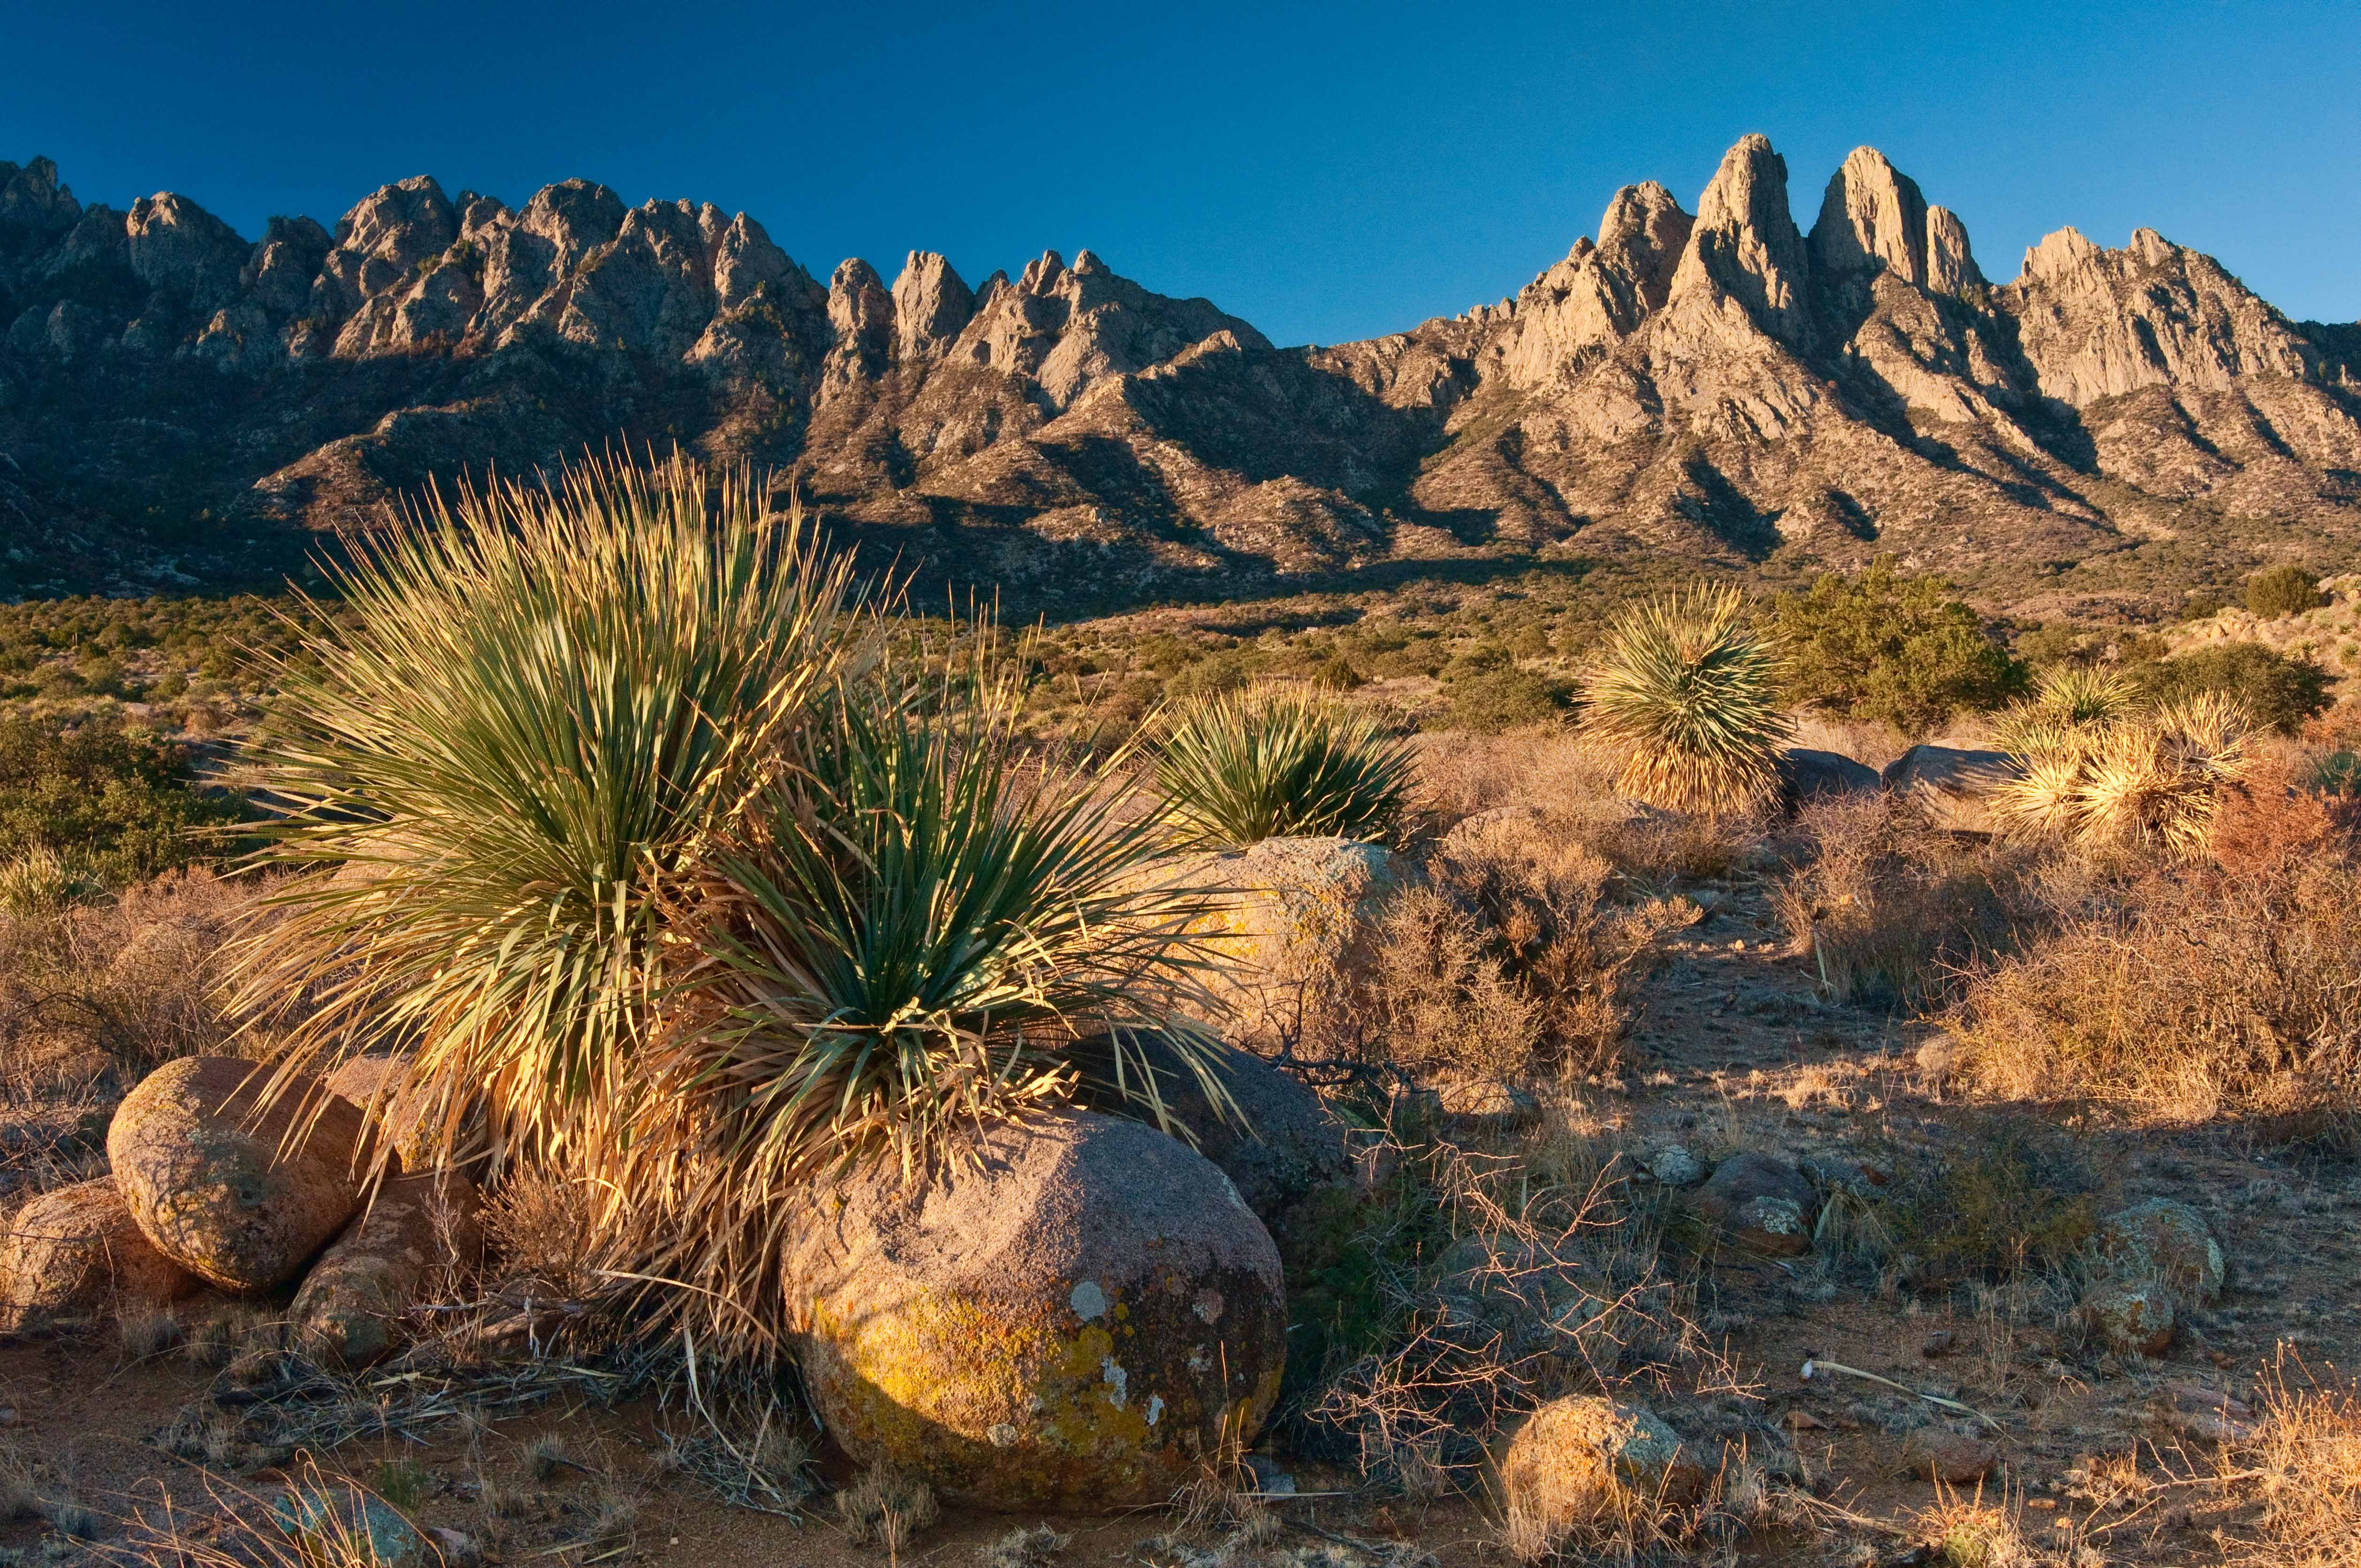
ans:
(1236, 770)
(1685, 691)
(2122, 775)
(543, 699)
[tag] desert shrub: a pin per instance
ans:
(1995, 1200)
(123, 985)
(115, 804)
(2127, 777)
(1684, 691)
(2290, 806)
(1891, 913)
(2282, 691)
(1237, 770)
(1490, 702)
(543, 701)
(2193, 993)
(1542, 897)
(1217, 675)
(2275, 591)
(1880, 645)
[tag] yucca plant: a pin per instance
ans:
(2068, 698)
(1684, 690)
(1265, 764)
(537, 706)
(904, 936)
(2136, 777)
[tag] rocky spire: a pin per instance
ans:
(1746, 245)
(1950, 265)
(931, 303)
(1872, 219)
(1641, 236)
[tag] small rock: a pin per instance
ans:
(1938, 1058)
(2131, 1317)
(458, 1547)
(1761, 1202)
(1675, 1167)
(1584, 1456)
(1938, 1343)
(2167, 1238)
(1931, 1454)
(375, 1528)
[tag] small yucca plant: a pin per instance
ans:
(2132, 777)
(2067, 699)
(903, 938)
(1236, 770)
(40, 884)
(540, 704)
(1685, 691)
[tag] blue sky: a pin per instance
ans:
(1328, 171)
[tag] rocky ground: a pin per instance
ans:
(1733, 1050)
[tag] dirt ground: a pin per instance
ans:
(1732, 1047)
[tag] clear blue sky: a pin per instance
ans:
(1326, 170)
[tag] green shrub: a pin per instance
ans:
(116, 803)
(1996, 1201)
(1237, 770)
(1216, 675)
(2275, 591)
(1900, 649)
(2278, 690)
(1503, 699)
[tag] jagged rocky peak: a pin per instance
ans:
(932, 304)
(1641, 236)
(1873, 218)
(1746, 246)
(35, 208)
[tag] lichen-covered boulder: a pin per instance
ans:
(1952, 788)
(1761, 1202)
(1586, 1457)
(76, 1250)
(1277, 1141)
(1073, 1324)
(217, 1181)
(2167, 1239)
(1297, 926)
(415, 1234)
(2131, 1317)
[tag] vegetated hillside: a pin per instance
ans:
(180, 405)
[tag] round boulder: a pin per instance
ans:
(415, 1234)
(1277, 1140)
(76, 1250)
(237, 1192)
(1807, 775)
(1761, 1202)
(2132, 1317)
(1952, 788)
(1074, 1320)
(2166, 1238)
(1297, 922)
(1586, 1457)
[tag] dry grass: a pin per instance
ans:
(2301, 1470)
(887, 1509)
(1891, 912)
(2193, 994)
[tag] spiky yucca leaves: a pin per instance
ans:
(2069, 697)
(901, 940)
(1236, 770)
(2137, 777)
(1685, 691)
(546, 699)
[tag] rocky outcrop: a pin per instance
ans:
(1720, 387)
(415, 1237)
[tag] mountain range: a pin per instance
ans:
(1719, 390)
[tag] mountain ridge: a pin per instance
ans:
(1722, 387)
